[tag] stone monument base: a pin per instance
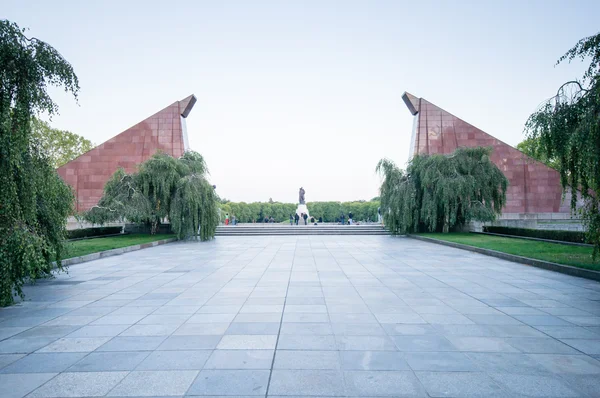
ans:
(302, 209)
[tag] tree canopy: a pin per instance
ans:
(532, 148)
(163, 188)
(60, 146)
(568, 129)
(440, 192)
(34, 201)
(328, 211)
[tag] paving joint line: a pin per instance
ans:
(280, 321)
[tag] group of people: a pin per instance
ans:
(233, 219)
(342, 219)
(294, 218)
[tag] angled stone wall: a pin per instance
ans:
(534, 187)
(164, 131)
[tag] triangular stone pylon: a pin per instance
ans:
(164, 131)
(533, 186)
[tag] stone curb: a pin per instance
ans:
(563, 269)
(114, 252)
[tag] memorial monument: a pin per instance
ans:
(302, 209)
(534, 196)
(164, 131)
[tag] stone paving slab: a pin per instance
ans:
(355, 316)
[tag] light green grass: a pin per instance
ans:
(89, 246)
(576, 256)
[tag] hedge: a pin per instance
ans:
(565, 236)
(91, 232)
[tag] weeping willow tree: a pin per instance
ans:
(163, 188)
(34, 201)
(441, 192)
(567, 127)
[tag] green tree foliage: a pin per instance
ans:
(163, 188)
(328, 211)
(568, 129)
(440, 192)
(60, 146)
(532, 148)
(34, 201)
(332, 211)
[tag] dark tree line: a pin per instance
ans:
(328, 211)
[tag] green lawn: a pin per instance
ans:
(88, 246)
(577, 256)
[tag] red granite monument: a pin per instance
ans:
(164, 131)
(534, 187)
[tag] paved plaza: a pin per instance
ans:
(303, 316)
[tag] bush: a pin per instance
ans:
(564, 236)
(441, 192)
(162, 188)
(93, 232)
(141, 228)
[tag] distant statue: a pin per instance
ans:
(301, 194)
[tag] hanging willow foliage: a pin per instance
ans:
(440, 192)
(34, 201)
(163, 188)
(568, 129)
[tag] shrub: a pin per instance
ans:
(162, 188)
(441, 192)
(565, 236)
(93, 232)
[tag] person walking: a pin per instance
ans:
(342, 219)
(226, 218)
(233, 219)
(296, 217)
(305, 217)
(291, 219)
(350, 218)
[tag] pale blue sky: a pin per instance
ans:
(306, 93)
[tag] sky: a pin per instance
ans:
(306, 93)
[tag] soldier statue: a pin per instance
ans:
(301, 196)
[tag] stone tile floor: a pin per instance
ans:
(303, 316)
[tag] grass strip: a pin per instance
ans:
(89, 246)
(576, 256)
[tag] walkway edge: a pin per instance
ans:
(114, 252)
(563, 269)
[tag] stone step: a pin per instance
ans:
(350, 230)
(287, 226)
(313, 228)
(286, 230)
(299, 230)
(303, 234)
